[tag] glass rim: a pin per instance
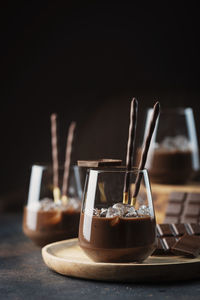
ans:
(119, 169)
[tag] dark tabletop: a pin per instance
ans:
(23, 275)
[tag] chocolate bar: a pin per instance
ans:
(99, 163)
(169, 234)
(183, 208)
(187, 245)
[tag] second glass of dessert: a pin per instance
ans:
(174, 156)
(48, 217)
(110, 229)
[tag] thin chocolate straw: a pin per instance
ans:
(130, 147)
(67, 160)
(56, 191)
(155, 114)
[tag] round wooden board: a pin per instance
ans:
(67, 258)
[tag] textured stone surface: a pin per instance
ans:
(23, 275)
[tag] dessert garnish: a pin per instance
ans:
(56, 190)
(67, 161)
(130, 148)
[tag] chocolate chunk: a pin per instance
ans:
(168, 242)
(99, 163)
(194, 229)
(177, 197)
(159, 248)
(193, 198)
(179, 229)
(187, 245)
(174, 209)
(192, 210)
(164, 245)
(163, 230)
(183, 208)
(188, 219)
(172, 219)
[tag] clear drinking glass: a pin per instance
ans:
(110, 231)
(44, 220)
(173, 156)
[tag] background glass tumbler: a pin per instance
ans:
(174, 155)
(110, 231)
(44, 220)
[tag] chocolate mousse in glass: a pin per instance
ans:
(46, 220)
(109, 230)
(174, 156)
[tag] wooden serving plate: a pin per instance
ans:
(67, 258)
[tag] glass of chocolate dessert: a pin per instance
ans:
(173, 156)
(49, 215)
(112, 228)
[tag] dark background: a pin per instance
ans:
(85, 62)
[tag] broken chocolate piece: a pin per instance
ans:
(187, 245)
(99, 163)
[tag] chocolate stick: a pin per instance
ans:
(155, 114)
(56, 190)
(67, 161)
(130, 148)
